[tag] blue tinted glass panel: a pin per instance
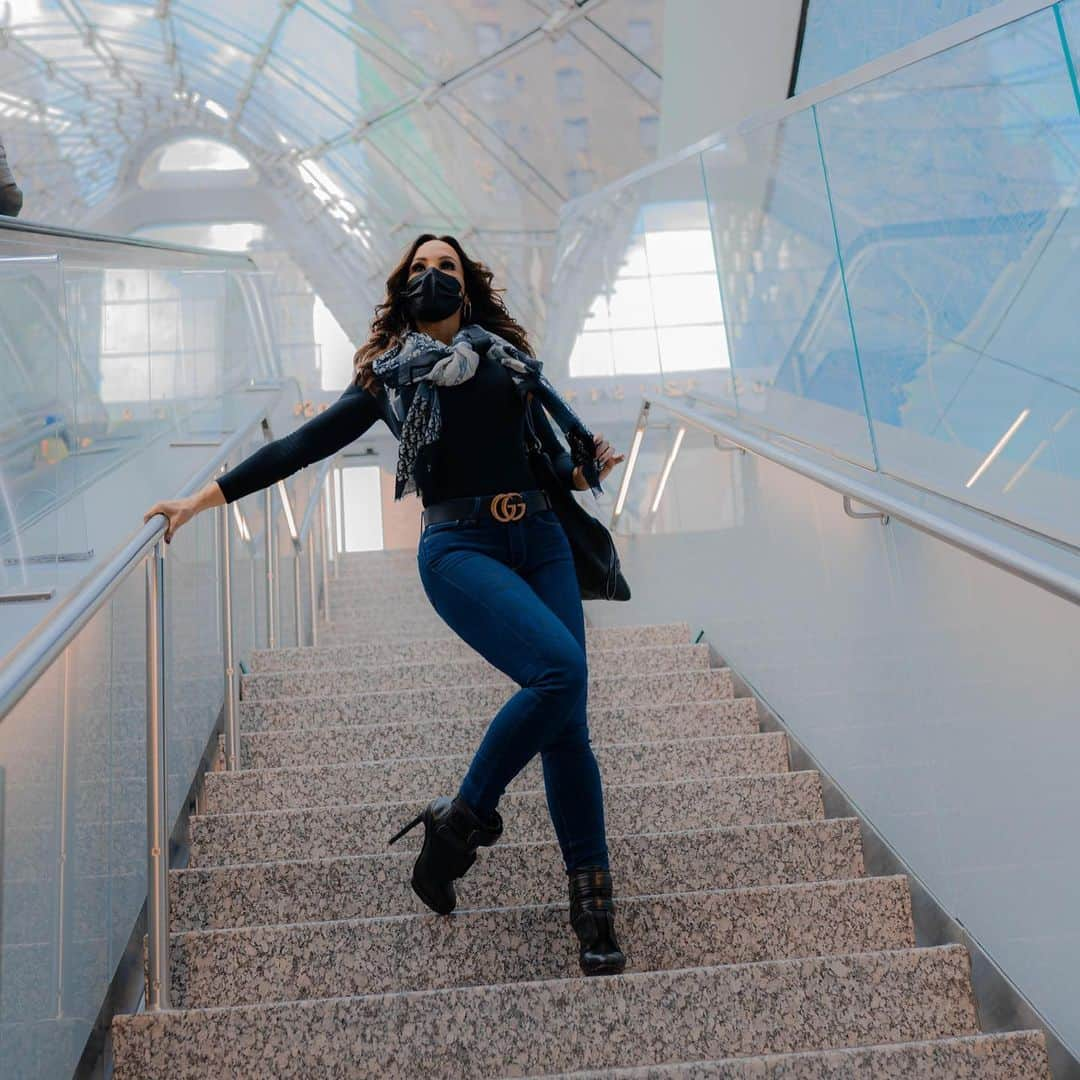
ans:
(789, 333)
(954, 186)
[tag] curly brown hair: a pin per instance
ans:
(392, 320)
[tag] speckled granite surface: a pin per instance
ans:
(420, 778)
(597, 639)
(631, 808)
(486, 698)
(514, 873)
(1014, 1055)
(623, 723)
(502, 945)
(454, 671)
(716, 1012)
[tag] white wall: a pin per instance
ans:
(940, 693)
(723, 61)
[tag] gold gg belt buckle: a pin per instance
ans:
(508, 506)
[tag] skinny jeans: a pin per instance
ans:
(510, 590)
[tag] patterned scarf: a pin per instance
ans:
(421, 359)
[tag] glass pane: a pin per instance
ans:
(73, 856)
(954, 182)
(38, 421)
(795, 365)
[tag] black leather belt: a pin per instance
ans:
(505, 506)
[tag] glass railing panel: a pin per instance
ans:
(39, 438)
(954, 183)
(73, 856)
(792, 352)
(146, 341)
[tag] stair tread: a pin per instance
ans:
(526, 943)
(647, 806)
(317, 784)
(730, 1010)
(348, 886)
(1009, 1055)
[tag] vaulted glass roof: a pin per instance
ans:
(478, 115)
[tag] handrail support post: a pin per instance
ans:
(158, 996)
(232, 735)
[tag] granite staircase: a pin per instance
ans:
(756, 944)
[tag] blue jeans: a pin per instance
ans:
(509, 590)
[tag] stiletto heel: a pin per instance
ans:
(452, 833)
(412, 825)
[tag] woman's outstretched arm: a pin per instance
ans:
(347, 419)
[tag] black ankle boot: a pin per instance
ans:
(452, 833)
(592, 915)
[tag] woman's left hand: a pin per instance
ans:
(606, 459)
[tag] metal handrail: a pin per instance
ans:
(1027, 567)
(42, 647)
(40, 229)
(146, 547)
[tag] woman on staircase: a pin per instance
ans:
(452, 375)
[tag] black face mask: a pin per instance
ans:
(433, 295)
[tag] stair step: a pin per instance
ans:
(1012, 1055)
(484, 946)
(431, 703)
(363, 886)
(437, 670)
(421, 777)
(322, 657)
(641, 723)
(651, 807)
(630, 1019)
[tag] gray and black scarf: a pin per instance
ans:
(421, 359)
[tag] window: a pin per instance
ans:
(662, 310)
(186, 158)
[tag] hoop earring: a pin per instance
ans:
(466, 314)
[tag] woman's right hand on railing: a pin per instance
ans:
(181, 511)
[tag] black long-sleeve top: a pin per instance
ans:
(481, 448)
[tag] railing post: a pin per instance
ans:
(232, 737)
(298, 593)
(157, 831)
(313, 594)
(324, 538)
(271, 585)
(335, 547)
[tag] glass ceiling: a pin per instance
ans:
(480, 116)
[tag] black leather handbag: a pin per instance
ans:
(595, 558)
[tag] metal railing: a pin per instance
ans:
(886, 505)
(147, 548)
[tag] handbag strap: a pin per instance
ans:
(536, 444)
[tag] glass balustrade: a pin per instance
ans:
(896, 272)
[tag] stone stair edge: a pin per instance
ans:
(950, 951)
(754, 736)
(868, 882)
(793, 774)
(837, 824)
(473, 657)
(505, 681)
(761, 1062)
(278, 733)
